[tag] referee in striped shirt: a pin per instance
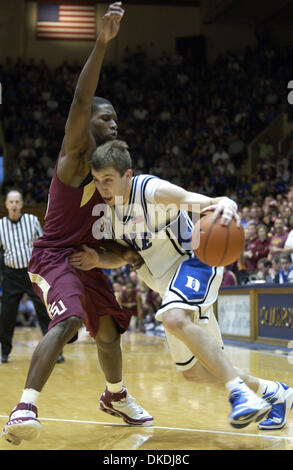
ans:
(17, 234)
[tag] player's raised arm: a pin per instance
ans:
(78, 141)
(169, 194)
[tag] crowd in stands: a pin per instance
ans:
(268, 252)
(190, 123)
(185, 121)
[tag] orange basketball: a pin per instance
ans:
(215, 244)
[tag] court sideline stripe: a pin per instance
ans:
(166, 428)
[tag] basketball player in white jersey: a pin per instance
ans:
(151, 215)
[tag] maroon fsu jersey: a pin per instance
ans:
(69, 219)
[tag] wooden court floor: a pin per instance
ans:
(188, 416)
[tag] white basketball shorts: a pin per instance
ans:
(194, 286)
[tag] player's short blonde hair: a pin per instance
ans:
(115, 154)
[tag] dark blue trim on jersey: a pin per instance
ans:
(202, 317)
(177, 248)
(143, 199)
(185, 302)
(130, 202)
(185, 363)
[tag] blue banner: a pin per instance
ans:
(275, 316)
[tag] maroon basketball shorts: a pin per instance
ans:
(67, 291)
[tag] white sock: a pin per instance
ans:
(115, 388)
(266, 386)
(235, 383)
(29, 395)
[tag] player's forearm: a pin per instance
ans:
(194, 199)
(129, 255)
(108, 260)
(114, 247)
(174, 195)
(89, 76)
(194, 202)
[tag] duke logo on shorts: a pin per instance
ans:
(192, 283)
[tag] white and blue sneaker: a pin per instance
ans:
(247, 407)
(282, 402)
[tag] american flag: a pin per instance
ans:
(70, 22)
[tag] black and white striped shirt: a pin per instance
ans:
(16, 239)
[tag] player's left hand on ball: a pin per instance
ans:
(84, 260)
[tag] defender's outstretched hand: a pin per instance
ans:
(111, 21)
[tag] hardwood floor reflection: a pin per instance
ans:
(187, 415)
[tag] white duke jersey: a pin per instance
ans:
(161, 236)
(163, 239)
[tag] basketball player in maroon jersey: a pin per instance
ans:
(74, 297)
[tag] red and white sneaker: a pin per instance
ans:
(122, 405)
(22, 424)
